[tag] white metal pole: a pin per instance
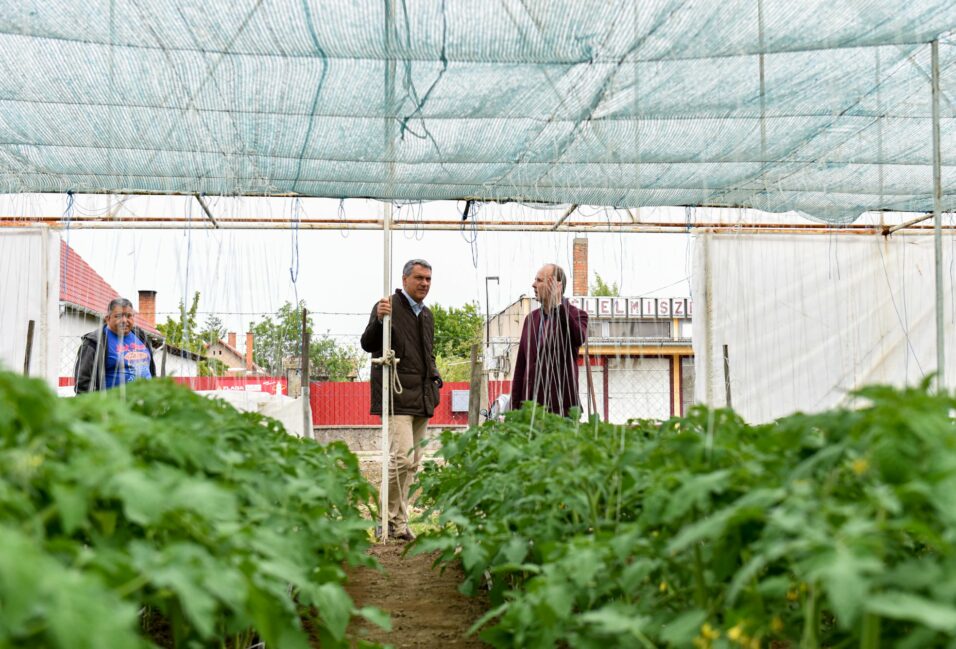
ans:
(386, 373)
(708, 324)
(938, 225)
(389, 160)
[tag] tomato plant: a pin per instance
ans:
(167, 502)
(832, 529)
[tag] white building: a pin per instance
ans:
(639, 349)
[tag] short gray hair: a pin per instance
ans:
(411, 263)
(120, 302)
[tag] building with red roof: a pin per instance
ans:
(84, 296)
(84, 290)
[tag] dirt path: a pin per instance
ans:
(426, 608)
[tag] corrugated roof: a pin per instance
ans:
(83, 287)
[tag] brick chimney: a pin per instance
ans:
(147, 307)
(580, 270)
(231, 339)
(249, 350)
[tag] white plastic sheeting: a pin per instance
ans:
(286, 410)
(806, 319)
(30, 290)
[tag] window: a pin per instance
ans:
(639, 329)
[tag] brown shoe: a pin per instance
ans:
(405, 535)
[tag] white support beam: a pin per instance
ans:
(565, 216)
(938, 225)
(205, 208)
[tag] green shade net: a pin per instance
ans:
(817, 106)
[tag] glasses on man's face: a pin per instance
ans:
(121, 316)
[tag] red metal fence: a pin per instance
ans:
(348, 404)
(335, 404)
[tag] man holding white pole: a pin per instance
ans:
(415, 383)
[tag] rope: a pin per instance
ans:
(388, 358)
(392, 361)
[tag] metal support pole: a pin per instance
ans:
(887, 230)
(488, 311)
(938, 225)
(387, 368)
(386, 374)
(29, 350)
(205, 208)
(564, 217)
(708, 324)
(727, 377)
(307, 429)
(474, 389)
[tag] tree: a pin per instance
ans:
(454, 368)
(213, 331)
(331, 360)
(279, 337)
(600, 289)
(456, 330)
(184, 334)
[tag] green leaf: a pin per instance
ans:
(376, 616)
(335, 608)
(846, 578)
(695, 491)
(615, 620)
(71, 505)
(144, 501)
(684, 628)
(633, 575)
(906, 606)
(515, 550)
(182, 568)
(472, 556)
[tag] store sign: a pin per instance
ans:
(634, 307)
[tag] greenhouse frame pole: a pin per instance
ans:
(708, 324)
(387, 354)
(938, 224)
(386, 373)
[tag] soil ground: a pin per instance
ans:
(426, 608)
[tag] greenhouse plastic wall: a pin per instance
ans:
(29, 264)
(808, 319)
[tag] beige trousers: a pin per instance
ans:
(405, 433)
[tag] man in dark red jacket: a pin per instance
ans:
(546, 370)
(413, 336)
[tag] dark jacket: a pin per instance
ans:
(413, 342)
(546, 370)
(89, 373)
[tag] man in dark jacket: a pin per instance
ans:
(546, 370)
(115, 353)
(413, 335)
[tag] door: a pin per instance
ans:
(639, 387)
